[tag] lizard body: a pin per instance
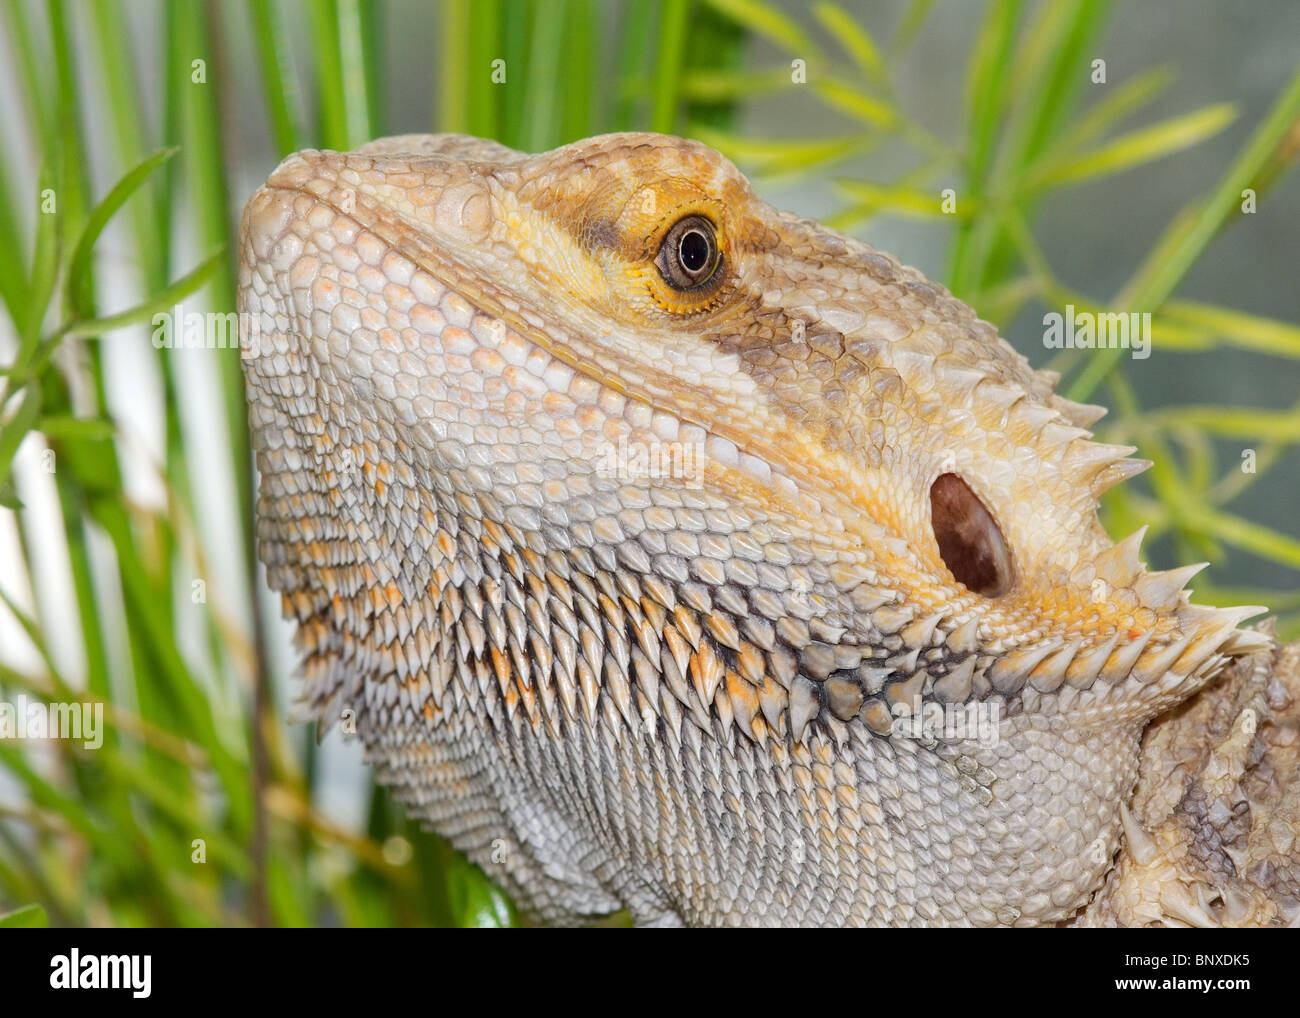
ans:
(639, 523)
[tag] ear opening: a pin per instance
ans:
(970, 541)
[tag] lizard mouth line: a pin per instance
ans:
(781, 467)
(776, 466)
(758, 464)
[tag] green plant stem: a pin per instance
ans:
(1193, 228)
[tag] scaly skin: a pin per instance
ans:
(687, 694)
(1213, 838)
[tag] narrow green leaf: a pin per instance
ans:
(34, 71)
(987, 85)
(121, 94)
(82, 429)
(1252, 537)
(1192, 229)
(9, 496)
(855, 39)
(909, 27)
(79, 301)
(161, 301)
(279, 77)
(764, 19)
(714, 43)
(518, 18)
(1169, 335)
(140, 314)
(483, 97)
(50, 228)
(722, 86)
(1226, 597)
(669, 61)
(33, 632)
(22, 47)
(905, 200)
(65, 141)
(27, 917)
(856, 103)
(337, 110)
(1252, 332)
(582, 43)
(1126, 99)
(59, 800)
(14, 430)
(989, 98)
(632, 63)
(1141, 146)
(13, 268)
(767, 156)
(354, 76)
(1229, 422)
(453, 103)
(1049, 69)
(545, 58)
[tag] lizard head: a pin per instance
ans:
(790, 477)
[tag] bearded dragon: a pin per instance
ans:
(679, 555)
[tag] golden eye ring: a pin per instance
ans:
(689, 257)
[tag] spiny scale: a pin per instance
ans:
(679, 692)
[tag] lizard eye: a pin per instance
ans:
(689, 257)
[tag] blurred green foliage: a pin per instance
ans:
(197, 759)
